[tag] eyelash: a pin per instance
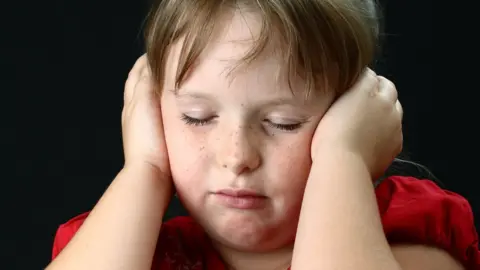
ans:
(290, 127)
(201, 122)
(194, 121)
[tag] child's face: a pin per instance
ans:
(244, 132)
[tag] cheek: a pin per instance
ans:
(186, 152)
(289, 164)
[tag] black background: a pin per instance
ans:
(66, 63)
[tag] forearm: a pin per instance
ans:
(122, 230)
(339, 226)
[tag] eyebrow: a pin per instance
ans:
(190, 94)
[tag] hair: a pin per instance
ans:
(328, 43)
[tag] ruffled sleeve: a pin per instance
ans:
(66, 232)
(419, 212)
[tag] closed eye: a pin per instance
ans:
(285, 127)
(195, 121)
(201, 122)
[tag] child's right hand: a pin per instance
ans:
(142, 128)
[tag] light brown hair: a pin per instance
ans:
(328, 43)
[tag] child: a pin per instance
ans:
(271, 129)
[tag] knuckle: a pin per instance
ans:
(389, 89)
(390, 85)
(370, 73)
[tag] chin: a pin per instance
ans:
(247, 232)
(259, 242)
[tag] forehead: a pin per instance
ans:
(237, 37)
(220, 65)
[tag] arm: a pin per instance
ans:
(355, 238)
(122, 230)
(340, 200)
(340, 227)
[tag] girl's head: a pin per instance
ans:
(243, 85)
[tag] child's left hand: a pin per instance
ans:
(365, 121)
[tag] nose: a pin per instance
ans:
(238, 151)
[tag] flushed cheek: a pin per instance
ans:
(188, 159)
(189, 171)
(187, 155)
(289, 166)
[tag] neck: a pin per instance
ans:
(279, 259)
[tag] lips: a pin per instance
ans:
(239, 193)
(240, 198)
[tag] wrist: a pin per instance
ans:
(336, 152)
(148, 167)
(144, 173)
(334, 157)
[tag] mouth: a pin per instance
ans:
(240, 199)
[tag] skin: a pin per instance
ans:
(244, 144)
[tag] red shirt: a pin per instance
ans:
(412, 211)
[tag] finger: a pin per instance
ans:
(144, 86)
(133, 77)
(400, 144)
(142, 93)
(399, 108)
(366, 82)
(387, 89)
(369, 73)
(138, 66)
(145, 71)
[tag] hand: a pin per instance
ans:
(142, 128)
(367, 121)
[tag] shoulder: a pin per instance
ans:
(181, 243)
(419, 212)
